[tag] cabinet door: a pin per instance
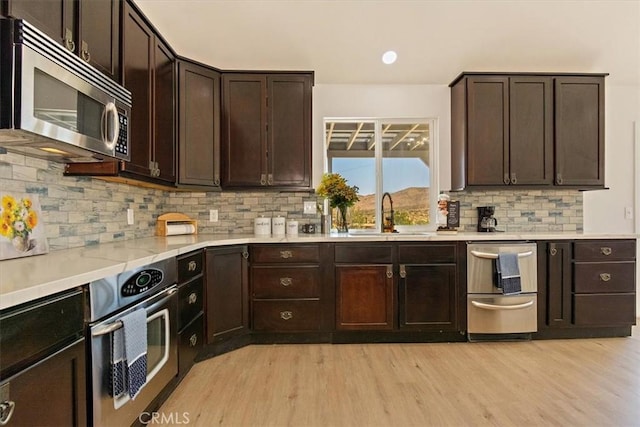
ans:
(55, 18)
(164, 118)
(488, 131)
(364, 297)
(100, 35)
(199, 125)
(244, 130)
(557, 295)
(227, 293)
(428, 297)
(289, 130)
(530, 130)
(137, 64)
(52, 392)
(579, 131)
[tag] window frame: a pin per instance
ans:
(434, 184)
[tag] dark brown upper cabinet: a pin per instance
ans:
(266, 130)
(502, 130)
(198, 125)
(148, 70)
(579, 131)
(89, 28)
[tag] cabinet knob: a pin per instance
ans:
(193, 298)
(270, 179)
(605, 277)
(514, 179)
(506, 179)
(192, 266)
(68, 40)
(263, 179)
(286, 281)
(84, 52)
(193, 340)
(245, 255)
(286, 315)
(389, 272)
(553, 251)
(559, 179)
(6, 411)
(606, 251)
(403, 271)
(286, 254)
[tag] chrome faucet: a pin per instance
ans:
(388, 224)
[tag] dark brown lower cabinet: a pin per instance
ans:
(227, 292)
(52, 392)
(555, 285)
(428, 297)
(364, 297)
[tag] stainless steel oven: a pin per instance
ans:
(490, 313)
(56, 106)
(151, 288)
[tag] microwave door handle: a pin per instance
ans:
(488, 255)
(110, 125)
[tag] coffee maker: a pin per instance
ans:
(486, 221)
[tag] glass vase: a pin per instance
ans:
(342, 222)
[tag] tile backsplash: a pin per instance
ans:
(80, 211)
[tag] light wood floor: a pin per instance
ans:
(585, 382)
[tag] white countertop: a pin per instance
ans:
(30, 278)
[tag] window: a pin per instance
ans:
(382, 156)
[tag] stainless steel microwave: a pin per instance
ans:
(56, 106)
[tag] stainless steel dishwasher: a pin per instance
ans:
(490, 313)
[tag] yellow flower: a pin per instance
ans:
(26, 203)
(8, 216)
(32, 219)
(6, 230)
(8, 203)
(335, 188)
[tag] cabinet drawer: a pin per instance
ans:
(604, 250)
(190, 301)
(189, 344)
(604, 309)
(426, 254)
(285, 253)
(29, 332)
(190, 266)
(285, 282)
(290, 315)
(371, 254)
(605, 277)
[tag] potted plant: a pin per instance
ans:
(334, 188)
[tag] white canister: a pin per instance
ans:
(262, 226)
(278, 226)
(292, 228)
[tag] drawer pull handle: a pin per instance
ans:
(389, 272)
(192, 266)
(286, 281)
(6, 411)
(245, 255)
(553, 251)
(193, 340)
(403, 272)
(193, 297)
(286, 315)
(606, 250)
(605, 277)
(286, 254)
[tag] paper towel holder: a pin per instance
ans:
(165, 220)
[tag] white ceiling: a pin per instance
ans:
(342, 41)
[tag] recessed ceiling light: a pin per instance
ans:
(389, 57)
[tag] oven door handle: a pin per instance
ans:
(488, 255)
(501, 307)
(107, 329)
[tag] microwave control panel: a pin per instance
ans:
(121, 145)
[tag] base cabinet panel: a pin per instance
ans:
(428, 297)
(364, 297)
(604, 310)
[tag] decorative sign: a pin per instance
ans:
(21, 228)
(453, 214)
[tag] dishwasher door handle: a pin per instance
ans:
(501, 307)
(488, 255)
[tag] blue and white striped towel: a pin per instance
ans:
(135, 348)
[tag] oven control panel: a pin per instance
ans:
(141, 282)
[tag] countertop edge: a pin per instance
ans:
(26, 279)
